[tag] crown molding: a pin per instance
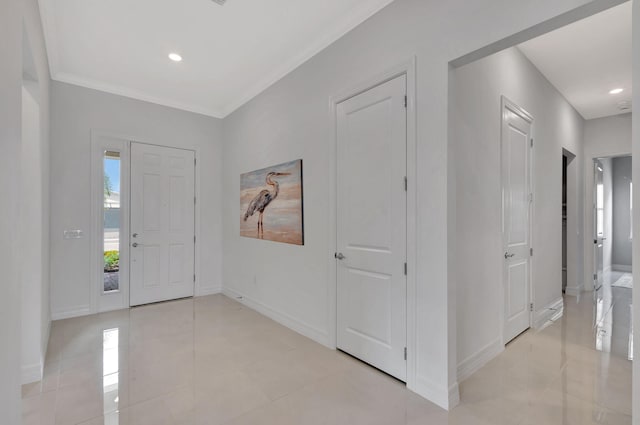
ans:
(68, 78)
(363, 13)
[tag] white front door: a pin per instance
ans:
(516, 215)
(371, 226)
(162, 223)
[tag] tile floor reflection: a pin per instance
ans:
(213, 361)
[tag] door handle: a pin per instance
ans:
(135, 244)
(339, 256)
(135, 235)
(507, 255)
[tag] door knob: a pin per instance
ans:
(135, 235)
(135, 244)
(339, 256)
(507, 255)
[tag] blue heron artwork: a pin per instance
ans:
(271, 203)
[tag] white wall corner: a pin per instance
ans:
(319, 336)
(447, 398)
(474, 362)
(551, 312)
(45, 342)
(454, 395)
(32, 373)
(73, 312)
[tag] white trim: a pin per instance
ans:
(551, 312)
(622, 268)
(367, 10)
(208, 290)
(319, 336)
(74, 312)
(506, 103)
(68, 78)
(407, 68)
(116, 300)
(476, 361)
(32, 373)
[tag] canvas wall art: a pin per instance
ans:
(271, 204)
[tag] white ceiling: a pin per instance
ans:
(588, 58)
(231, 53)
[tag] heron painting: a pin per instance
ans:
(271, 203)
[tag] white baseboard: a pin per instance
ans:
(551, 312)
(208, 290)
(474, 362)
(321, 337)
(68, 314)
(622, 268)
(447, 398)
(32, 373)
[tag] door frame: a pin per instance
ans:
(99, 139)
(408, 68)
(506, 103)
(586, 285)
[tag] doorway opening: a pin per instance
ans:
(613, 240)
(550, 77)
(570, 220)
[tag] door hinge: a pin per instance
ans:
(194, 200)
(194, 239)
(531, 197)
(595, 276)
(194, 278)
(531, 252)
(405, 353)
(405, 101)
(405, 269)
(406, 183)
(194, 161)
(531, 307)
(532, 142)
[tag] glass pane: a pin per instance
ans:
(111, 221)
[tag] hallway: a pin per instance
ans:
(211, 360)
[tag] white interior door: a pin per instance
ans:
(516, 215)
(598, 225)
(371, 226)
(162, 223)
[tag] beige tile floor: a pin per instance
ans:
(213, 361)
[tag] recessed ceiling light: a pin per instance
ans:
(616, 91)
(175, 57)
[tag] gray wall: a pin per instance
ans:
(11, 12)
(76, 111)
(477, 128)
(35, 202)
(291, 119)
(622, 246)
